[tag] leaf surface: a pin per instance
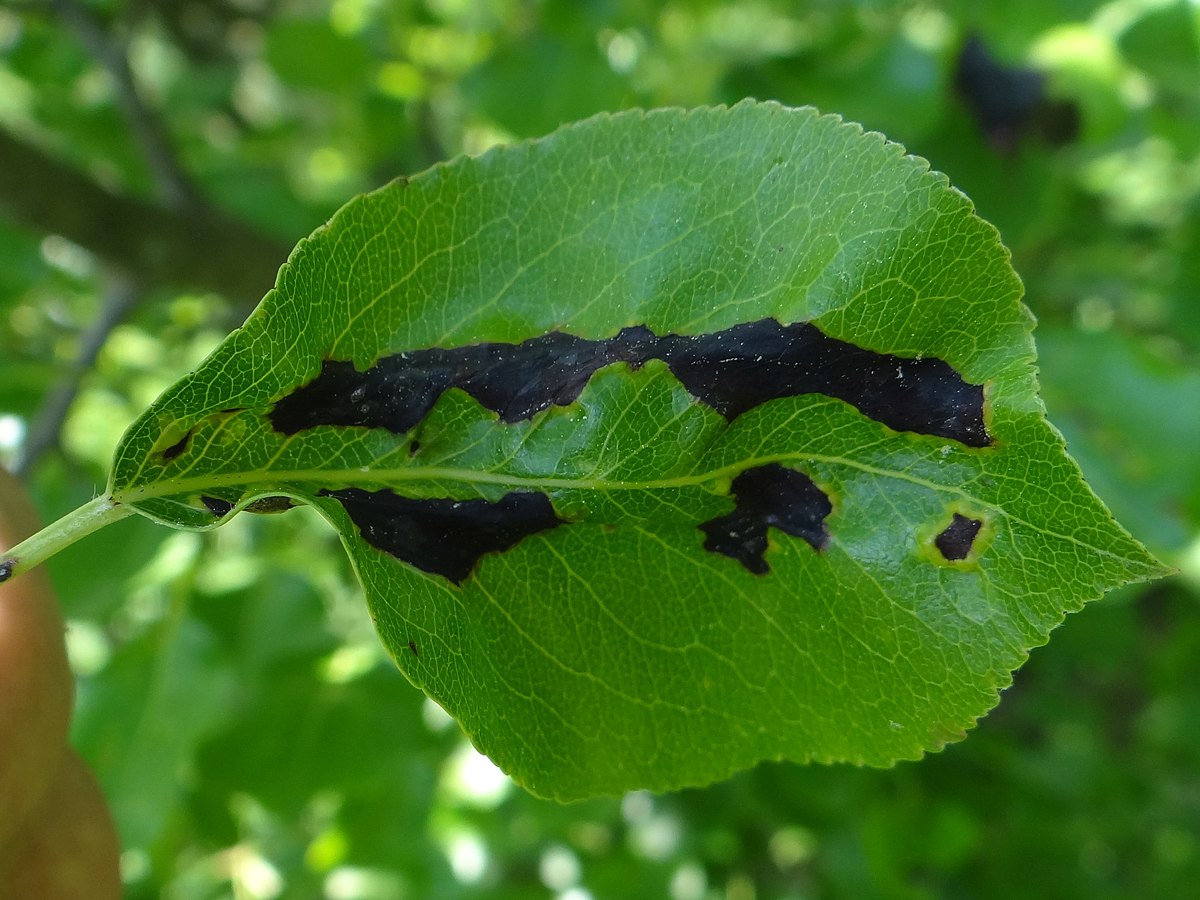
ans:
(668, 443)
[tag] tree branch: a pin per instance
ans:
(174, 186)
(120, 296)
(151, 245)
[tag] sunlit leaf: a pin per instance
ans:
(663, 445)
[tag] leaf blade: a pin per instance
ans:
(680, 225)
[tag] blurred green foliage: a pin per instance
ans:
(233, 698)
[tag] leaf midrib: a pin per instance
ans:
(359, 476)
(356, 476)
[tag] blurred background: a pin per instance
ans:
(159, 160)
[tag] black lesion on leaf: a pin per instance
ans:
(218, 507)
(177, 448)
(737, 369)
(956, 540)
(444, 536)
(515, 381)
(770, 496)
(395, 394)
(6, 569)
(732, 371)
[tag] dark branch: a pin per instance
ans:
(151, 245)
(120, 296)
(174, 187)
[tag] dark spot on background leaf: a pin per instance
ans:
(954, 543)
(412, 645)
(1008, 102)
(770, 496)
(177, 448)
(218, 507)
(443, 536)
(732, 371)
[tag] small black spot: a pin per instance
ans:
(443, 536)
(768, 496)
(218, 507)
(955, 542)
(412, 645)
(731, 371)
(6, 569)
(177, 448)
(413, 448)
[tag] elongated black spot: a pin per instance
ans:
(6, 569)
(770, 496)
(177, 448)
(955, 542)
(445, 537)
(518, 380)
(218, 507)
(735, 370)
(731, 371)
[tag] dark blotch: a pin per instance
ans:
(218, 507)
(516, 381)
(445, 537)
(955, 542)
(770, 496)
(6, 569)
(1008, 102)
(412, 645)
(177, 448)
(735, 370)
(731, 371)
(396, 394)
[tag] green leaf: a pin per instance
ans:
(657, 527)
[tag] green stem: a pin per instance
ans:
(79, 523)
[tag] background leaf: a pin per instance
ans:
(613, 646)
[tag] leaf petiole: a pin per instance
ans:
(78, 523)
